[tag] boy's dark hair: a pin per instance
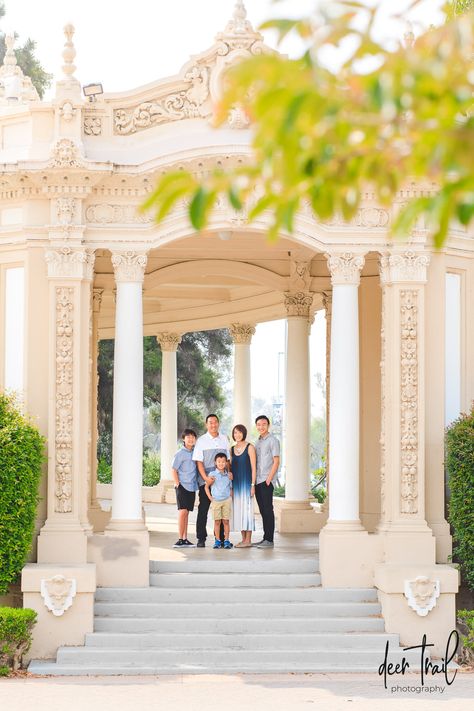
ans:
(242, 429)
(220, 455)
(262, 417)
(211, 415)
(188, 432)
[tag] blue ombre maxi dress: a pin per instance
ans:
(242, 507)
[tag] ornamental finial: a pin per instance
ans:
(10, 57)
(239, 23)
(69, 52)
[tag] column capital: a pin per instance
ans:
(327, 302)
(345, 268)
(97, 299)
(129, 266)
(69, 263)
(168, 341)
(241, 332)
(403, 267)
(298, 303)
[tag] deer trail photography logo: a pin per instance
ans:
(438, 669)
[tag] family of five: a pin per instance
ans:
(228, 481)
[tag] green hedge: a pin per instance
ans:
(15, 636)
(460, 466)
(21, 456)
(151, 470)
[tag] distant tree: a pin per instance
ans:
(25, 56)
(390, 114)
(202, 364)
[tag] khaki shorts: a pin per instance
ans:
(221, 509)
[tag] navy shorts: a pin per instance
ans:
(184, 498)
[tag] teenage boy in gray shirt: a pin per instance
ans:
(268, 460)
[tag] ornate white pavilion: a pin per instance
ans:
(92, 266)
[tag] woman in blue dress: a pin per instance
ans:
(243, 465)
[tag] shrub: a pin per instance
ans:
(466, 618)
(104, 472)
(151, 468)
(460, 466)
(21, 457)
(16, 625)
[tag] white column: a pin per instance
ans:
(241, 334)
(297, 400)
(169, 402)
(127, 447)
(344, 395)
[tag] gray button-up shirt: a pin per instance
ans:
(266, 448)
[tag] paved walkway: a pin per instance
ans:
(283, 692)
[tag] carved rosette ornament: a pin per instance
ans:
(129, 266)
(64, 398)
(409, 401)
(422, 594)
(169, 341)
(298, 304)
(58, 593)
(345, 268)
(92, 125)
(241, 333)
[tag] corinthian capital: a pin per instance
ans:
(129, 266)
(404, 267)
(298, 303)
(168, 341)
(345, 268)
(67, 263)
(241, 332)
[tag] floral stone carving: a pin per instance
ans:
(64, 398)
(241, 332)
(58, 593)
(65, 154)
(409, 401)
(422, 594)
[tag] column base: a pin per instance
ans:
(52, 631)
(122, 555)
(444, 540)
(347, 557)
(59, 543)
(297, 516)
(400, 618)
(165, 492)
(98, 518)
(408, 544)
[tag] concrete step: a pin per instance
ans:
(241, 625)
(259, 610)
(237, 563)
(209, 643)
(229, 660)
(234, 580)
(234, 595)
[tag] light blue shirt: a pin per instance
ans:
(222, 487)
(186, 468)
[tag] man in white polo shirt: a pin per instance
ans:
(205, 450)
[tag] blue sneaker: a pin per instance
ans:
(218, 544)
(228, 545)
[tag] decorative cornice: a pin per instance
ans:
(129, 266)
(168, 341)
(345, 268)
(406, 267)
(298, 304)
(67, 263)
(241, 333)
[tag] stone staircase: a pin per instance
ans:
(231, 615)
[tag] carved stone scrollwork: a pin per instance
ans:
(188, 103)
(73, 263)
(409, 401)
(169, 341)
(298, 304)
(66, 210)
(107, 213)
(345, 268)
(409, 266)
(64, 398)
(58, 593)
(129, 266)
(241, 332)
(422, 594)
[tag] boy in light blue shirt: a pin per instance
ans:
(184, 472)
(220, 495)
